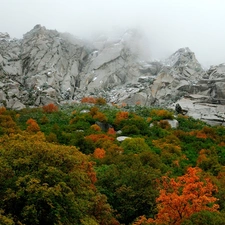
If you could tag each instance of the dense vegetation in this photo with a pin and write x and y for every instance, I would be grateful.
(66, 166)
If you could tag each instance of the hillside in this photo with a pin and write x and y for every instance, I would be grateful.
(94, 163)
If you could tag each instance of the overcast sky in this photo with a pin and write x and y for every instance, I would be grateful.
(167, 24)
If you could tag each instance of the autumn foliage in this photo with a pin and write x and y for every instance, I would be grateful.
(99, 153)
(88, 100)
(73, 166)
(32, 125)
(97, 137)
(161, 113)
(50, 108)
(180, 198)
(95, 127)
(2, 110)
(121, 116)
(100, 101)
(111, 131)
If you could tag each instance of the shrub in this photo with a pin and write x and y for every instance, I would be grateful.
(100, 101)
(159, 114)
(32, 125)
(95, 127)
(88, 100)
(99, 153)
(50, 108)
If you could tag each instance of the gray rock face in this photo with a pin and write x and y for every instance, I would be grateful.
(198, 108)
(47, 66)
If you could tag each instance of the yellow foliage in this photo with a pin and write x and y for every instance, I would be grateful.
(95, 127)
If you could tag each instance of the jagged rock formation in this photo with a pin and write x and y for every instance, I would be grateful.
(48, 66)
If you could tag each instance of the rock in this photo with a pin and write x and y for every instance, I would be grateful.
(173, 123)
(198, 108)
(179, 110)
(4, 35)
(85, 111)
(47, 66)
(104, 126)
(121, 138)
(151, 68)
(18, 106)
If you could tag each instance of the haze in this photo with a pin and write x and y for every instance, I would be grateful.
(167, 25)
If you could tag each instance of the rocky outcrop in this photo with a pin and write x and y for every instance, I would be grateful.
(198, 108)
(47, 66)
(40, 68)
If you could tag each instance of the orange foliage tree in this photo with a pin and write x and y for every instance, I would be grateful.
(94, 112)
(32, 125)
(99, 137)
(180, 198)
(88, 100)
(121, 116)
(99, 153)
(161, 113)
(95, 127)
(50, 108)
(2, 110)
(111, 131)
(100, 101)
(100, 117)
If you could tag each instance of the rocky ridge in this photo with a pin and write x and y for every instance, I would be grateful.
(47, 66)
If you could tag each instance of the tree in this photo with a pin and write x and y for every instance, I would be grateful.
(99, 153)
(45, 183)
(129, 185)
(134, 145)
(159, 114)
(180, 198)
(88, 100)
(50, 108)
(120, 116)
(100, 101)
(32, 125)
(205, 217)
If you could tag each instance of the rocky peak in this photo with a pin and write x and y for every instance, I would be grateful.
(184, 62)
(39, 31)
(4, 35)
(216, 72)
(48, 66)
(181, 57)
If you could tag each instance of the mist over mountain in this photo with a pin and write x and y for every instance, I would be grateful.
(48, 66)
(166, 25)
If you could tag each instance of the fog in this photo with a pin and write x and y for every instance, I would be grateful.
(166, 25)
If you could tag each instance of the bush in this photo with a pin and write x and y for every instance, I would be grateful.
(50, 108)
(88, 100)
(160, 114)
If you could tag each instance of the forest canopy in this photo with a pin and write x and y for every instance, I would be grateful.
(92, 163)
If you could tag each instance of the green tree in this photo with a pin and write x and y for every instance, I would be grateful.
(44, 183)
(130, 187)
(134, 145)
(205, 217)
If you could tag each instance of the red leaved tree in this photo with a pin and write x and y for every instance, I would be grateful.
(50, 108)
(32, 126)
(99, 153)
(181, 197)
